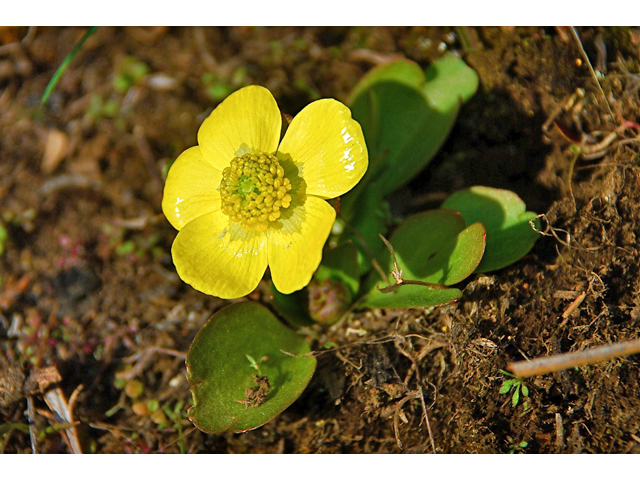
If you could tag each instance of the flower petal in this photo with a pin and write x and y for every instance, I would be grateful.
(327, 148)
(191, 189)
(247, 121)
(296, 241)
(219, 258)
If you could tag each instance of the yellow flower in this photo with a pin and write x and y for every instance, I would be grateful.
(243, 200)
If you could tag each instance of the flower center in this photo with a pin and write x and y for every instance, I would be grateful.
(253, 190)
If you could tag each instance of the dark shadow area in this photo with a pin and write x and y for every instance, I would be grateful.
(493, 143)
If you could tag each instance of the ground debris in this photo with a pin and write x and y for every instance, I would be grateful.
(257, 395)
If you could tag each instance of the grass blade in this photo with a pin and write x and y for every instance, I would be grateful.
(64, 65)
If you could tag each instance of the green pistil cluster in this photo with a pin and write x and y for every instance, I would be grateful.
(253, 190)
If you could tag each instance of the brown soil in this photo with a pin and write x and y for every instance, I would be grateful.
(88, 285)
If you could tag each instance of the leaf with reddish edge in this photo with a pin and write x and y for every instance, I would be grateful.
(410, 296)
(432, 247)
(223, 378)
(509, 233)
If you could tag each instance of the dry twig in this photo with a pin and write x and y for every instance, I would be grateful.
(564, 361)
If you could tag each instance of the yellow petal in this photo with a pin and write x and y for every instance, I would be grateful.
(296, 241)
(218, 257)
(327, 148)
(247, 121)
(191, 189)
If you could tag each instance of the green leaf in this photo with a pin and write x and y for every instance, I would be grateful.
(406, 115)
(369, 218)
(431, 247)
(504, 215)
(64, 65)
(402, 71)
(341, 264)
(506, 386)
(450, 81)
(293, 307)
(525, 390)
(410, 296)
(467, 254)
(222, 378)
(435, 247)
(516, 397)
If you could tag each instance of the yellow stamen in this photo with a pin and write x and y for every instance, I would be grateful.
(254, 190)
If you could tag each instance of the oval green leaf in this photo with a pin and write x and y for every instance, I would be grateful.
(431, 247)
(435, 247)
(226, 393)
(423, 243)
(406, 115)
(468, 251)
(504, 215)
(449, 82)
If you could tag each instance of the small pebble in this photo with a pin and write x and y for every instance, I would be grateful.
(140, 409)
(159, 417)
(134, 389)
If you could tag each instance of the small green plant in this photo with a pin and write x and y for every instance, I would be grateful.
(136, 247)
(176, 416)
(7, 427)
(219, 87)
(516, 448)
(398, 117)
(255, 364)
(131, 72)
(517, 386)
(100, 108)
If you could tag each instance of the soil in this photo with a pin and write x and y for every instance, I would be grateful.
(88, 285)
